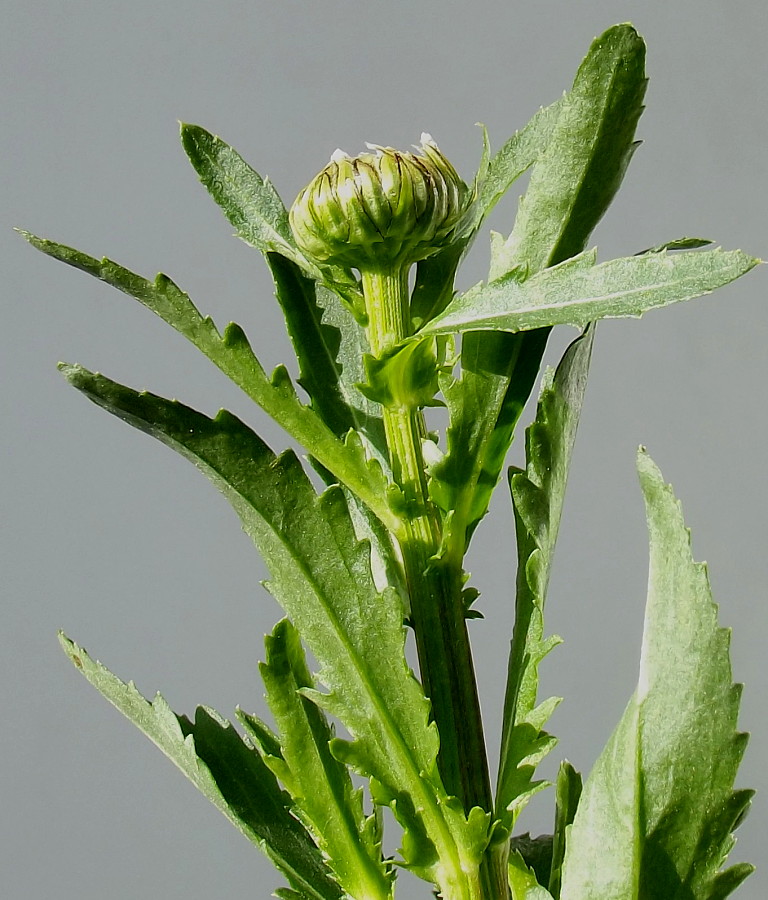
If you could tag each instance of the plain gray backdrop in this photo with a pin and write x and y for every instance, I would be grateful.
(111, 537)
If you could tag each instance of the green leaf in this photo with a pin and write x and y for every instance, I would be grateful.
(498, 372)
(522, 881)
(249, 201)
(222, 767)
(683, 243)
(658, 809)
(253, 206)
(321, 576)
(567, 794)
(517, 155)
(581, 146)
(320, 785)
(576, 291)
(537, 496)
(435, 275)
(232, 353)
(587, 155)
(316, 344)
(261, 735)
(536, 853)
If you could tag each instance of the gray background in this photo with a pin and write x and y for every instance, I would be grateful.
(110, 536)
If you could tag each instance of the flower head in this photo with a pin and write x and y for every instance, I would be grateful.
(381, 208)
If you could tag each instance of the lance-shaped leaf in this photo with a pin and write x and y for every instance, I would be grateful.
(577, 291)
(232, 353)
(254, 207)
(574, 182)
(229, 773)
(321, 576)
(435, 274)
(568, 789)
(516, 156)
(316, 344)
(581, 147)
(320, 785)
(522, 881)
(537, 496)
(657, 811)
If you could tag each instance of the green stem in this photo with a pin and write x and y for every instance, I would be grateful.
(437, 610)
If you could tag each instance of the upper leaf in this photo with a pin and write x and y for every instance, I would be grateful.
(537, 496)
(658, 809)
(321, 575)
(232, 353)
(229, 773)
(581, 146)
(577, 291)
(253, 206)
(517, 155)
(587, 155)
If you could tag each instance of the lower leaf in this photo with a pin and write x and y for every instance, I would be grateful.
(226, 770)
(656, 816)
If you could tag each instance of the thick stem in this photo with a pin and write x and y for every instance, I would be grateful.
(437, 611)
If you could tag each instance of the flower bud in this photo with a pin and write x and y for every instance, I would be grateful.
(381, 208)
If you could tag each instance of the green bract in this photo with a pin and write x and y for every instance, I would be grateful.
(381, 207)
(381, 547)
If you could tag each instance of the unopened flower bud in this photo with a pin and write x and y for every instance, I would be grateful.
(381, 208)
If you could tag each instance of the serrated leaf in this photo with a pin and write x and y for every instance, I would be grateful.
(573, 293)
(498, 372)
(230, 774)
(568, 789)
(657, 811)
(587, 155)
(537, 496)
(535, 852)
(683, 243)
(581, 147)
(321, 575)
(253, 206)
(232, 353)
(522, 881)
(316, 344)
(517, 155)
(435, 275)
(320, 786)
(249, 201)
(260, 734)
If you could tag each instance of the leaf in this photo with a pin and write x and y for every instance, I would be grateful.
(315, 343)
(536, 853)
(522, 881)
(658, 809)
(232, 353)
(320, 785)
(249, 201)
(517, 155)
(221, 766)
(567, 792)
(576, 292)
(321, 576)
(537, 497)
(435, 274)
(589, 150)
(684, 243)
(253, 206)
(484, 405)
(580, 147)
